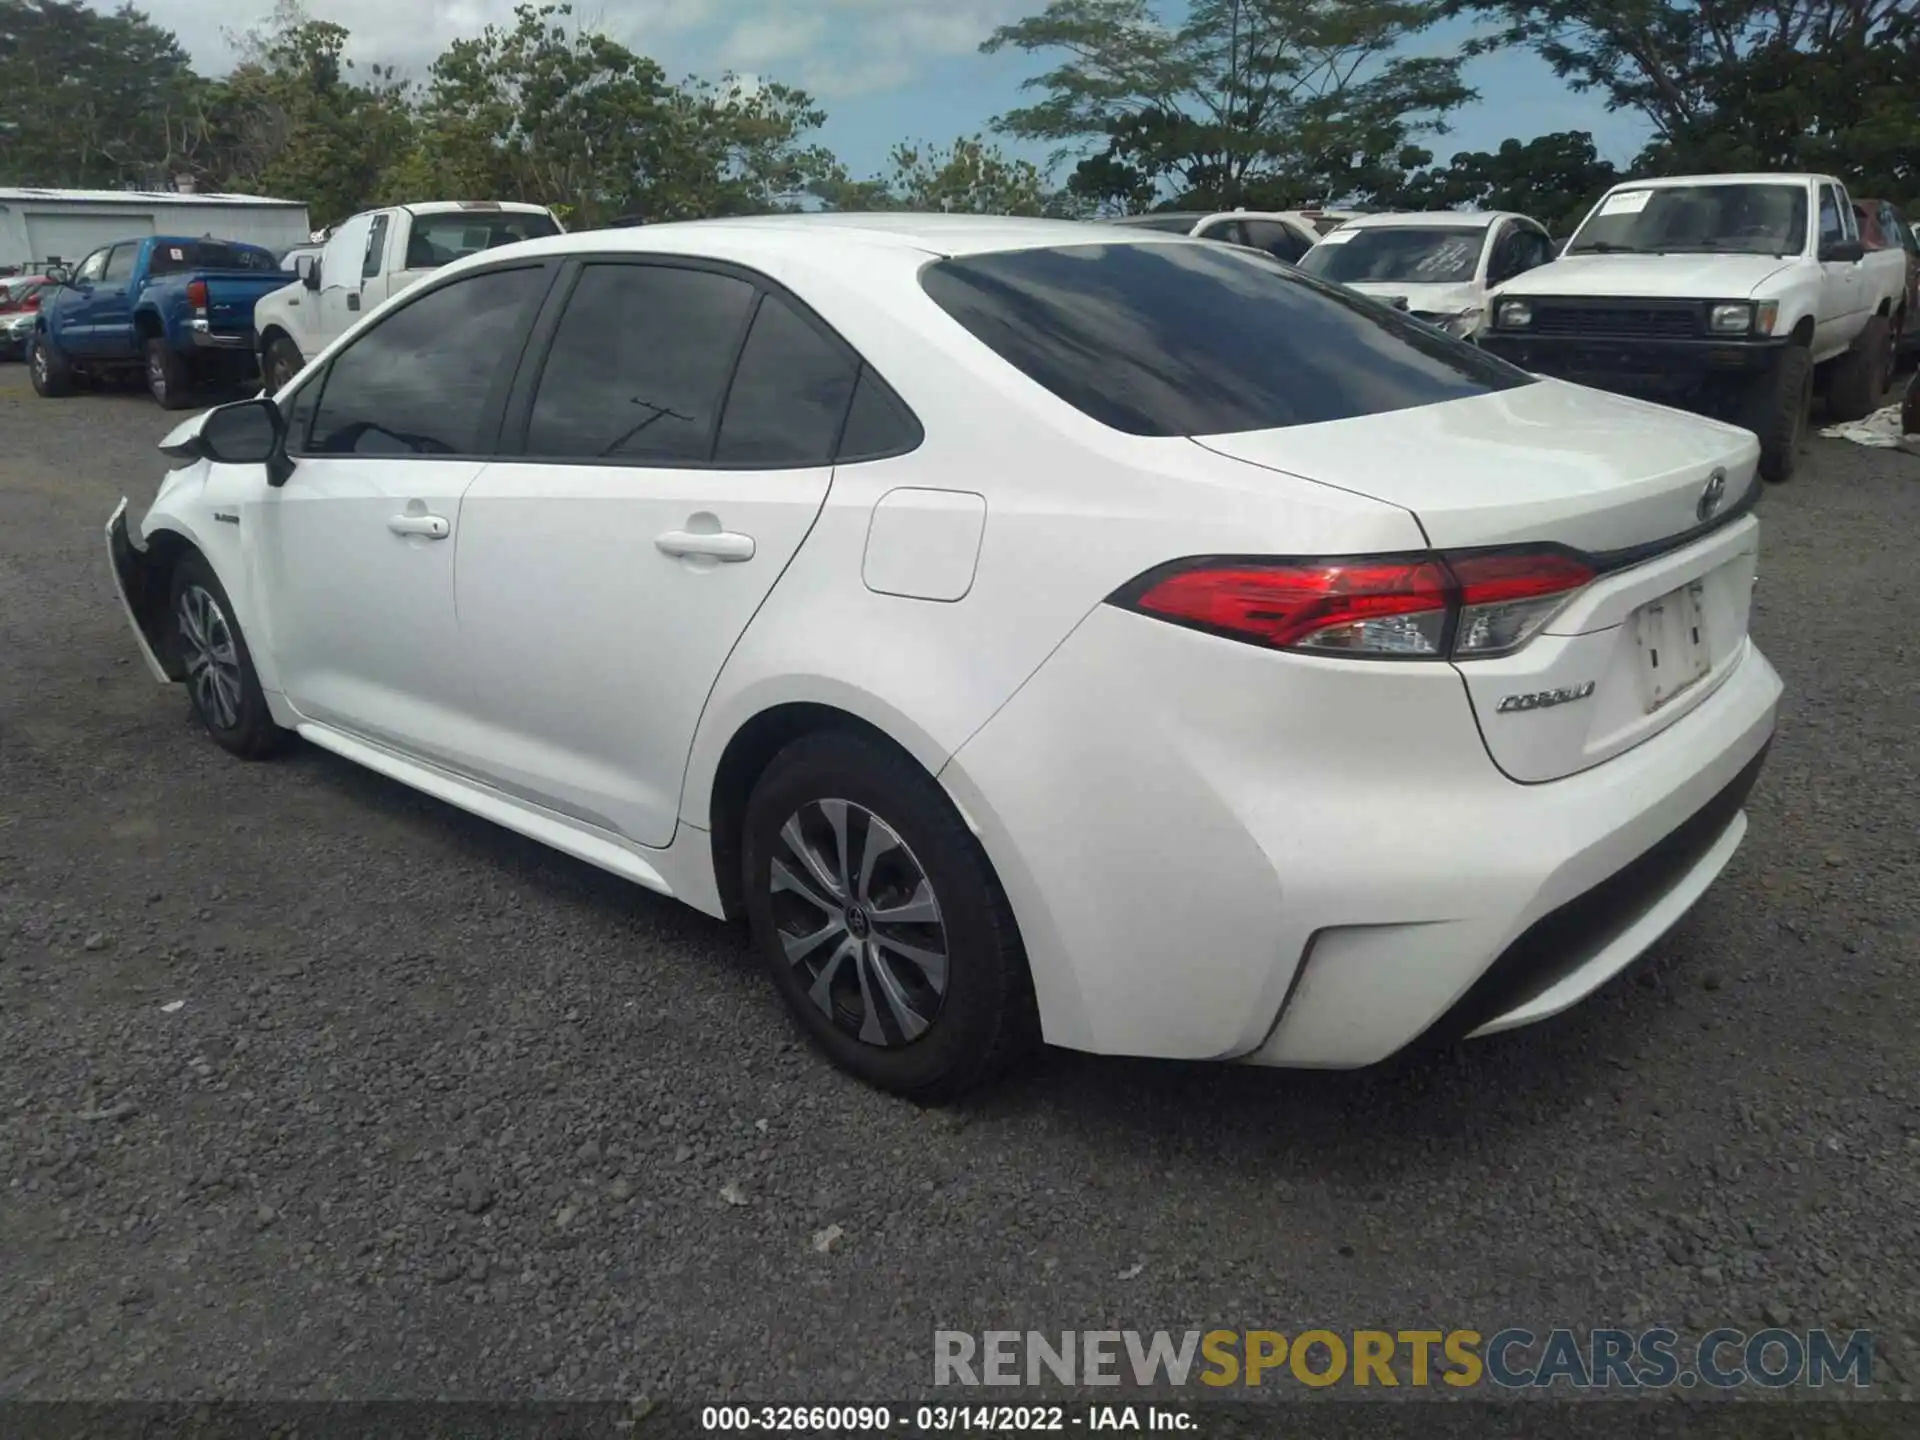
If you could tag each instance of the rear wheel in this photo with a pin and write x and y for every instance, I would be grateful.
(281, 363)
(881, 921)
(221, 682)
(1861, 376)
(1776, 411)
(47, 367)
(168, 379)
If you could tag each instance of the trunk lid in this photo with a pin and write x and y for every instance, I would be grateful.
(1621, 480)
(1543, 462)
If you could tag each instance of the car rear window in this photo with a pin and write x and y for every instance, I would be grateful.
(169, 258)
(1170, 339)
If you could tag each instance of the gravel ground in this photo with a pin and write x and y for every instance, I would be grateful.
(314, 1087)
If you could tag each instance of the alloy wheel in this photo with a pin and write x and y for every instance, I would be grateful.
(859, 922)
(211, 656)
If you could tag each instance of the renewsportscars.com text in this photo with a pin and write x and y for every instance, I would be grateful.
(1512, 1358)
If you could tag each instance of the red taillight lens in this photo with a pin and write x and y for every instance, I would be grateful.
(32, 302)
(1475, 604)
(197, 294)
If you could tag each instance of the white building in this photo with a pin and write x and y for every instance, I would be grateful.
(38, 227)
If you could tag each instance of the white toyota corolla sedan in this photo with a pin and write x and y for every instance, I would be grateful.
(1030, 629)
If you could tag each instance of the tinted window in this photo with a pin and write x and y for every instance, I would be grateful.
(1281, 241)
(789, 395)
(376, 248)
(1230, 231)
(640, 364)
(418, 382)
(1193, 340)
(877, 423)
(436, 240)
(1831, 228)
(120, 264)
(171, 258)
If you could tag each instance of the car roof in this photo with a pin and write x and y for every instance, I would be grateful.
(475, 207)
(1758, 177)
(822, 237)
(1432, 219)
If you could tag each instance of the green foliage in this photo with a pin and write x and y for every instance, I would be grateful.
(1255, 102)
(970, 176)
(1554, 178)
(89, 98)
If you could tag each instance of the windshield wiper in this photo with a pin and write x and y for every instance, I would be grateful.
(1602, 247)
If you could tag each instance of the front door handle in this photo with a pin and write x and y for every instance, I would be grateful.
(433, 527)
(353, 300)
(719, 545)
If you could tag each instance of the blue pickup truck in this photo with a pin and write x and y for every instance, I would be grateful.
(176, 309)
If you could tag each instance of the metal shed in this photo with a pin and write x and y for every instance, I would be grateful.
(40, 226)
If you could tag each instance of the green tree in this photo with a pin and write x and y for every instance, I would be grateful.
(93, 99)
(1256, 102)
(735, 148)
(1739, 84)
(970, 176)
(1553, 178)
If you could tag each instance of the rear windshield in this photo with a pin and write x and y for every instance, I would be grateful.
(169, 257)
(436, 240)
(1437, 255)
(1159, 339)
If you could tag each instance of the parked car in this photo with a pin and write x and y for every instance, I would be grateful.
(1438, 265)
(1286, 235)
(372, 257)
(940, 594)
(1883, 227)
(296, 259)
(1736, 295)
(19, 313)
(178, 310)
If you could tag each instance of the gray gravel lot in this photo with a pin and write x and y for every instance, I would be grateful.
(443, 1113)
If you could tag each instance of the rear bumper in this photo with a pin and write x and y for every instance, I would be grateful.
(1639, 364)
(207, 339)
(138, 584)
(1216, 852)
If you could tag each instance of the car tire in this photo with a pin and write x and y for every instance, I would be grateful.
(1777, 411)
(281, 362)
(168, 379)
(47, 368)
(1861, 376)
(930, 1028)
(222, 686)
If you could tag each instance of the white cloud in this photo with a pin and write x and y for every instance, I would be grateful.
(834, 48)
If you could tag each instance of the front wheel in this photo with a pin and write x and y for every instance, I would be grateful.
(1776, 410)
(881, 921)
(222, 684)
(47, 367)
(168, 379)
(281, 363)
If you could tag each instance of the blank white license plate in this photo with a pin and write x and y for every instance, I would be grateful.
(1674, 652)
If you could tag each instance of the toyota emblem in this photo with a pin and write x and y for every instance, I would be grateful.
(1710, 498)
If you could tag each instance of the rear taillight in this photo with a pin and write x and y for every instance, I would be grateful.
(1465, 605)
(197, 294)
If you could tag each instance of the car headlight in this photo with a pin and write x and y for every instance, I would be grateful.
(1515, 315)
(1734, 319)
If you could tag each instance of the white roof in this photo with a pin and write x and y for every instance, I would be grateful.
(1431, 219)
(26, 194)
(1668, 182)
(478, 207)
(934, 234)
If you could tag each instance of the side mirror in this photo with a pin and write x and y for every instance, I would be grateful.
(59, 274)
(1843, 252)
(247, 432)
(307, 267)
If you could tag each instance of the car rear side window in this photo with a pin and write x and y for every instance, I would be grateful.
(420, 381)
(789, 394)
(639, 365)
(1155, 339)
(878, 424)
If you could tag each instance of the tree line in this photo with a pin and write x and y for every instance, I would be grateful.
(1268, 104)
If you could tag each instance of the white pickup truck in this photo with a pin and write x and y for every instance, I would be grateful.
(1735, 295)
(372, 257)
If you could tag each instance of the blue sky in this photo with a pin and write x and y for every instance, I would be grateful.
(884, 70)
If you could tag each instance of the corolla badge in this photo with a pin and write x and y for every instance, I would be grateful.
(1545, 699)
(1711, 496)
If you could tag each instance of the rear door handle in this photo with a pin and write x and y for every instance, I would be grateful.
(721, 545)
(433, 527)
